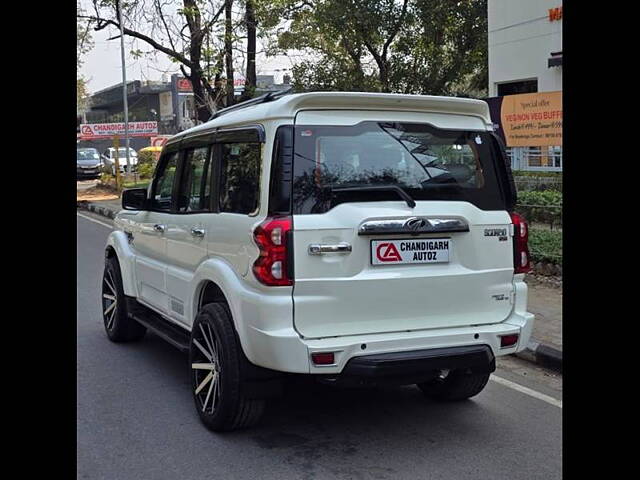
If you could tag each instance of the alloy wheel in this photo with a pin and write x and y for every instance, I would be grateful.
(206, 368)
(109, 299)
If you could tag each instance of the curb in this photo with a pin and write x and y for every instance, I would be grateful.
(543, 355)
(536, 352)
(99, 209)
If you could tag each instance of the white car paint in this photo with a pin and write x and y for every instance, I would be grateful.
(109, 159)
(334, 307)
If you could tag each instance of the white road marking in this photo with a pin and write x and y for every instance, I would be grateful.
(95, 221)
(527, 391)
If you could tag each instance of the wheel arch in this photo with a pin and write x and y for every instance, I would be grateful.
(215, 280)
(208, 291)
(118, 247)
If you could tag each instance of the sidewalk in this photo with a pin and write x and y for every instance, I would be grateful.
(545, 302)
(545, 347)
(106, 208)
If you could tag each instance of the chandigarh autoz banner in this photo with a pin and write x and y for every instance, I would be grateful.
(96, 131)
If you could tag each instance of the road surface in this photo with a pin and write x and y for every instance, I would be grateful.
(136, 418)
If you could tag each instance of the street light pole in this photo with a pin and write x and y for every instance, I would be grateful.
(124, 88)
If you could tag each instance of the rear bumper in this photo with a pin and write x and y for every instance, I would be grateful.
(282, 349)
(479, 358)
(415, 366)
(87, 174)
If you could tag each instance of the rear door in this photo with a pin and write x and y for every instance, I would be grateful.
(367, 261)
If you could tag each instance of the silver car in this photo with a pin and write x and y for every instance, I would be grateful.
(88, 164)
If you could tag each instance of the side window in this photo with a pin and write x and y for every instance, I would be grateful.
(240, 177)
(163, 182)
(195, 186)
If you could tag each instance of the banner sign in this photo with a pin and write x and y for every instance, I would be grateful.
(97, 131)
(160, 140)
(528, 119)
(184, 85)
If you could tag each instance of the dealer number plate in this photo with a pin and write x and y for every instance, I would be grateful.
(425, 250)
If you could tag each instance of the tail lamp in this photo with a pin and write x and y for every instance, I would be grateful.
(271, 267)
(521, 258)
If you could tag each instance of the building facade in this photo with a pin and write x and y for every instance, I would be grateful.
(170, 103)
(525, 57)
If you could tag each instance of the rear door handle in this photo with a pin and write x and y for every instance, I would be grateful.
(197, 232)
(321, 249)
(158, 227)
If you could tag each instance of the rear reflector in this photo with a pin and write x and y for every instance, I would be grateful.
(508, 340)
(323, 358)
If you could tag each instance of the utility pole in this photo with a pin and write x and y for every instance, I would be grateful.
(124, 88)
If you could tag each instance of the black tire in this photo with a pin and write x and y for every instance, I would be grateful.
(222, 406)
(117, 323)
(456, 386)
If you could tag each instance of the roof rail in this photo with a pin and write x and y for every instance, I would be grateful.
(267, 97)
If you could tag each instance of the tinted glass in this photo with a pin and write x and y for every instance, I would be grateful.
(240, 177)
(163, 183)
(195, 188)
(428, 163)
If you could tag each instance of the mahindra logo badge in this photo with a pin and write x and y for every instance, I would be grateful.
(416, 223)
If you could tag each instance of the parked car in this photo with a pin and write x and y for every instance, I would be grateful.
(357, 238)
(88, 163)
(109, 159)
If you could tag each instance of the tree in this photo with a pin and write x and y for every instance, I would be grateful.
(250, 24)
(84, 43)
(188, 35)
(444, 49)
(228, 48)
(411, 46)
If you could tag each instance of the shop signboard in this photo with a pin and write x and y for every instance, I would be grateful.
(528, 119)
(99, 131)
(160, 140)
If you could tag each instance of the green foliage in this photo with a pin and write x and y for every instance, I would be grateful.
(541, 207)
(527, 173)
(538, 184)
(146, 170)
(418, 46)
(134, 184)
(549, 197)
(321, 76)
(443, 50)
(146, 164)
(107, 180)
(545, 245)
(146, 157)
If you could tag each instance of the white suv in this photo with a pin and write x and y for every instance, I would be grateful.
(361, 238)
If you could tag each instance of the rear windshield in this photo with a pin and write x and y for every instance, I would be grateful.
(336, 164)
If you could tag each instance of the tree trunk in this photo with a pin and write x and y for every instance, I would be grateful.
(228, 50)
(250, 21)
(195, 55)
(199, 94)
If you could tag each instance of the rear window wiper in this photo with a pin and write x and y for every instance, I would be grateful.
(380, 188)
